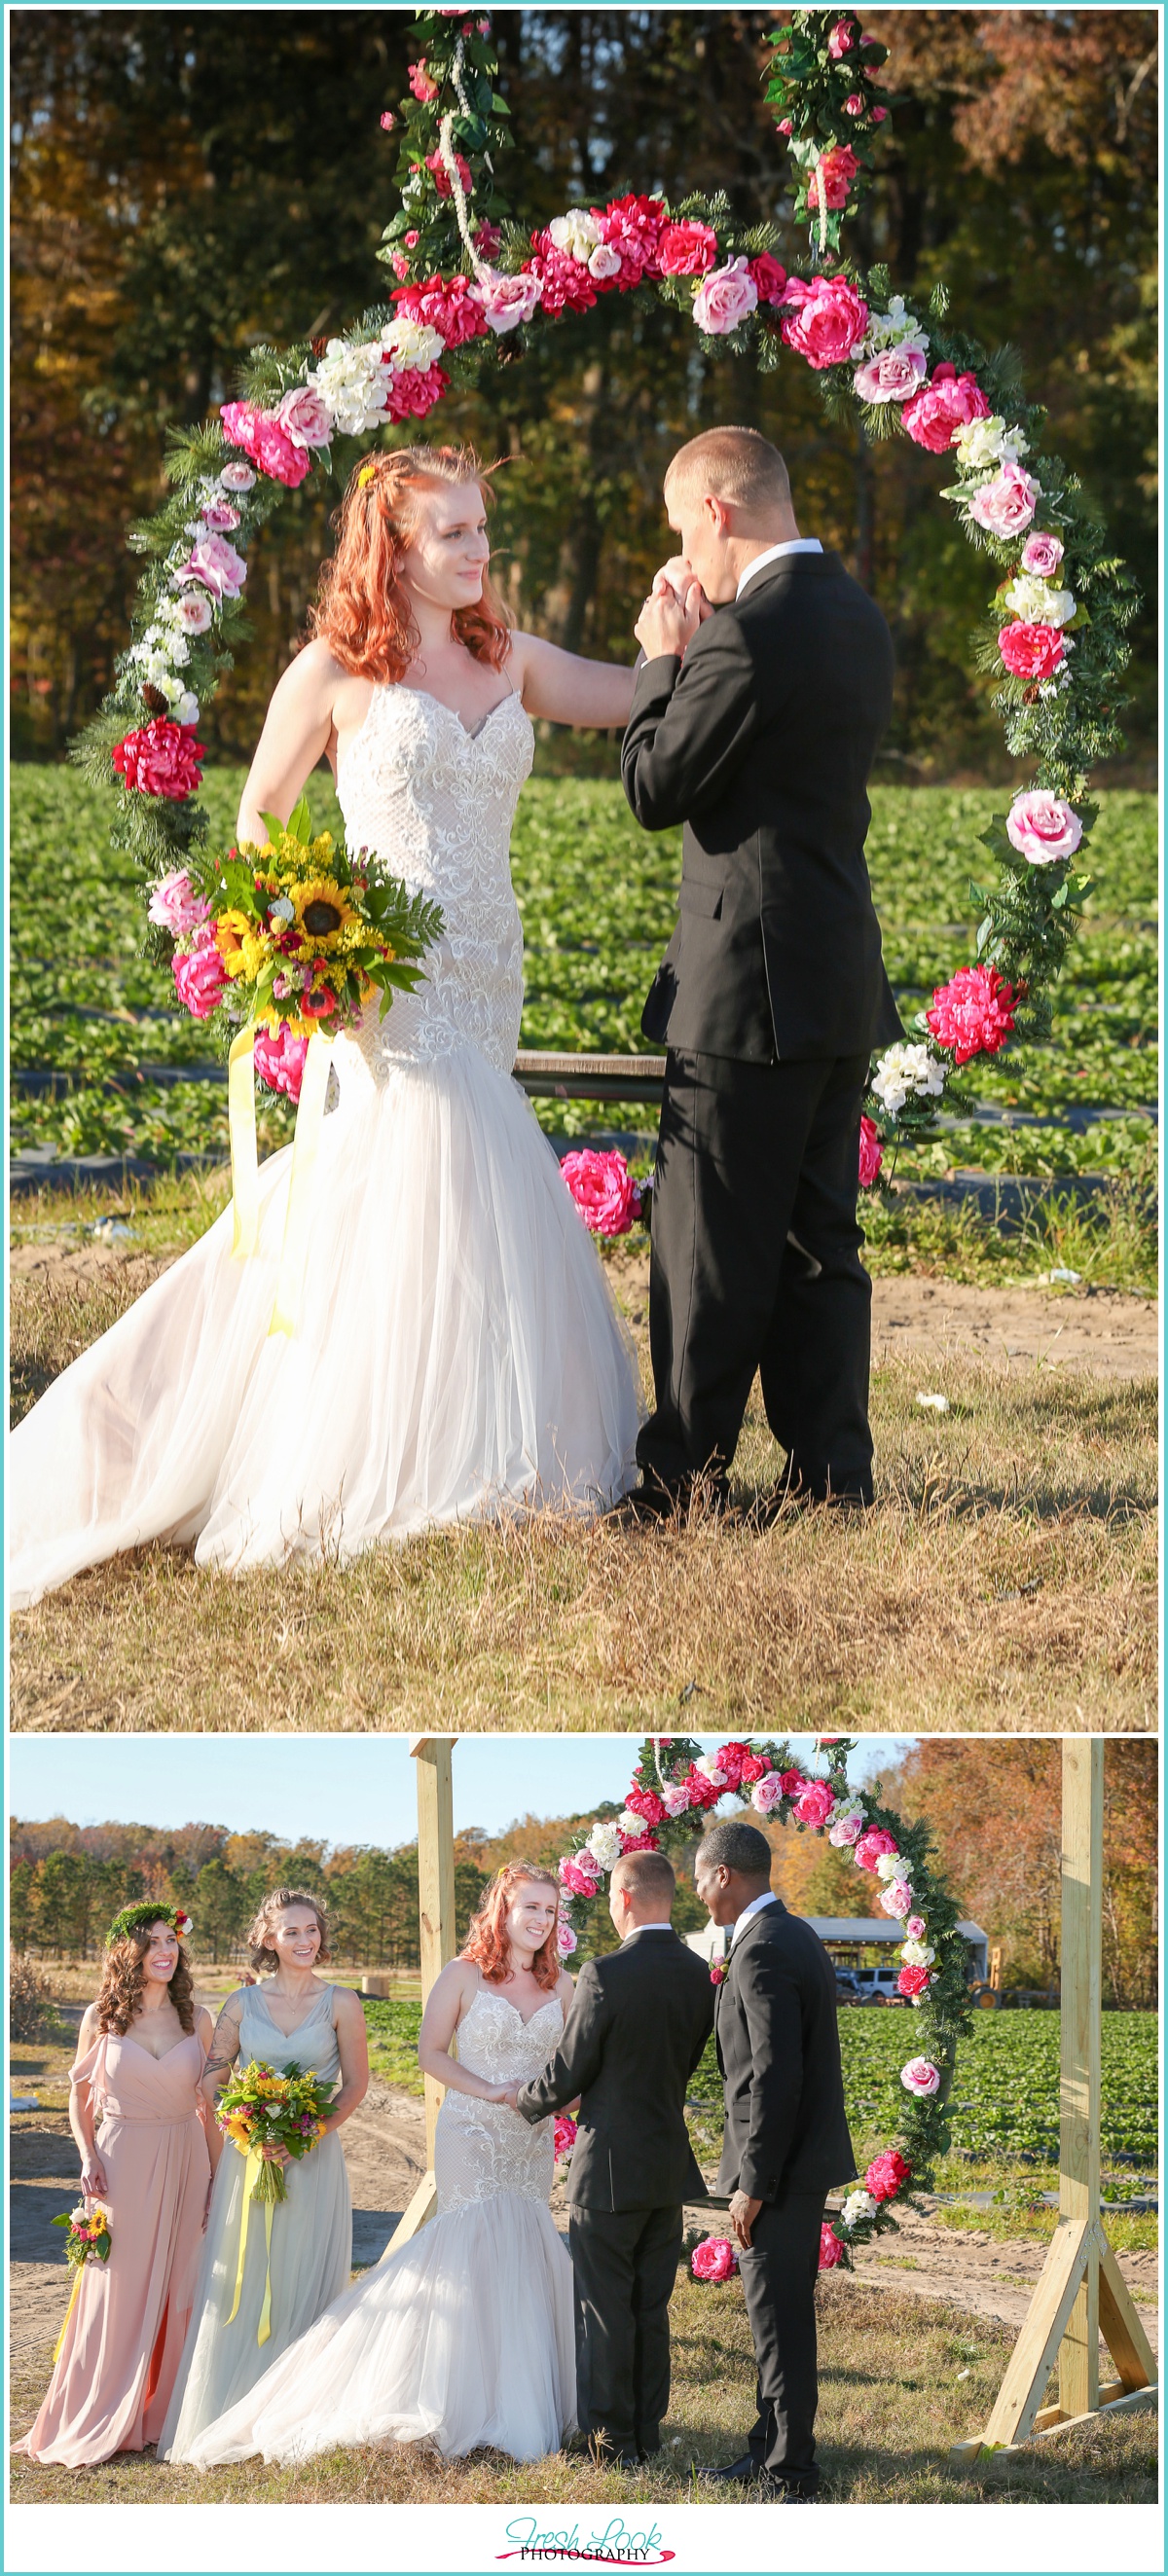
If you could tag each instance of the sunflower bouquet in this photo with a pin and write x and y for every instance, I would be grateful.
(263, 2107)
(90, 2234)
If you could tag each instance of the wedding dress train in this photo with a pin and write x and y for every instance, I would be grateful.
(458, 1351)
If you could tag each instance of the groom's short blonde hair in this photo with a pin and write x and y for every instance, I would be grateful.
(646, 1873)
(734, 465)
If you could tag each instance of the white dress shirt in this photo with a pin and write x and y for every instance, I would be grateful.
(634, 1928)
(790, 546)
(755, 1908)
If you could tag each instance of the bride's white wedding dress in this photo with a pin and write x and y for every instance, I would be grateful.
(464, 2338)
(458, 1352)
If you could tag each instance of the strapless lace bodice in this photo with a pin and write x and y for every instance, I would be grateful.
(483, 2148)
(436, 804)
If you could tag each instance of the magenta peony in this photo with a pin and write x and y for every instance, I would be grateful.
(921, 2077)
(1043, 827)
(578, 1880)
(1031, 652)
(841, 39)
(770, 279)
(636, 1842)
(200, 981)
(260, 435)
(686, 249)
(831, 2251)
(729, 1759)
(160, 759)
(833, 175)
(972, 1013)
(891, 377)
(279, 1061)
(1006, 503)
(912, 1981)
(887, 2174)
(631, 228)
(177, 905)
(725, 298)
(714, 2259)
(603, 1189)
(563, 281)
(646, 1803)
(564, 2133)
(830, 318)
(872, 1846)
(871, 1154)
(1042, 554)
(942, 406)
(413, 391)
(815, 1805)
(443, 305)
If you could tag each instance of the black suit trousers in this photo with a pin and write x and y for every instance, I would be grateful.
(625, 2265)
(750, 1155)
(779, 2270)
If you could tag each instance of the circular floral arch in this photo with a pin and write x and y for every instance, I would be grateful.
(673, 1790)
(472, 286)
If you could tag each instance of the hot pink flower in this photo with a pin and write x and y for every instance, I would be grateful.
(718, 1973)
(753, 1768)
(304, 418)
(445, 306)
(848, 1830)
(871, 1154)
(766, 1794)
(972, 1013)
(200, 981)
(831, 2251)
(486, 238)
(578, 1881)
(915, 1928)
(1005, 504)
(855, 105)
(1042, 554)
(770, 279)
(891, 377)
(646, 1803)
(872, 1846)
(887, 2174)
(921, 2077)
(686, 249)
(841, 39)
(714, 2259)
(1043, 827)
(563, 2135)
(1031, 652)
(441, 177)
(562, 279)
(507, 301)
(603, 1189)
(161, 758)
(912, 1981)
(833, 174)
(260, 435)
(943, 405)
(702, 1790)
(565, 1939)
(725, 297)
(815, 1805)
(830, 318)
(632, 227)
(215, 566)
(279, 1061)
(177, 905)
(388, 120)
(785, 125)
(730, 1758)
(423, 87)
(413, 391)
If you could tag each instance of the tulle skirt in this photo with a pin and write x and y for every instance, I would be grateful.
(458, 1356)
(464, 2339)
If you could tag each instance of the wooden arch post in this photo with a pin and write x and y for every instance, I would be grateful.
(432, 1753)
(1080, 2293)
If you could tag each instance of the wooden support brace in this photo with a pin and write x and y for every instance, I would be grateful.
(1024, 2386)
(1121, 2329)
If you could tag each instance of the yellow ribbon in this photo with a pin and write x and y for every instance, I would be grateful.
(241, 1128)
(252, 2171)
(305, 1151)
(74, 2296)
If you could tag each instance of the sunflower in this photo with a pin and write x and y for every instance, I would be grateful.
(323, 912)
(241, 945)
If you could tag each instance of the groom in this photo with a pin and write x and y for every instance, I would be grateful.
(772, 991)
(785, 2143)
(634, 2035)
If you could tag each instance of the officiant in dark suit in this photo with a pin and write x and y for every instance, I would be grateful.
(755, 722)
(785, 2142)
(634, 2035)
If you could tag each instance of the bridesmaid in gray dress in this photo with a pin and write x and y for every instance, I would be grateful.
(291, 2017)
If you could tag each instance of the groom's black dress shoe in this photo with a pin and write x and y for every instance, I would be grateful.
(652, 1501)
(770, 2486)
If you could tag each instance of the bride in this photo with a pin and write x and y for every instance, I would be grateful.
(464, 2338)
(459, 1354)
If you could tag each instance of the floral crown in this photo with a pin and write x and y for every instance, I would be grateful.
(137, 1918)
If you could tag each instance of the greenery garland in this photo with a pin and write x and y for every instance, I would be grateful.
(142, 1918)
(471, 286)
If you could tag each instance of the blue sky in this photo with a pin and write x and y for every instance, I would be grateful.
(348, 1788)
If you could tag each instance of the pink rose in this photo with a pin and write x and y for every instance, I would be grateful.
(1031, 652)
(972, 1013)
(831, 2251)
(411, 240)
(424, 89)
(1005, 504)
(848, 1830)
(565, 1939)
(767, 1794)
(507, 301)
(603, 1189)
(915, 1927)
(896, 1898)
(177, 905)
(259, 433)
(1042, 554)
(855, 105)
(785, 125)
(921, 2077)
(686, 250)
(563, 2134)
(791, 1782)
(887, 2174)
(215, 566)
(200, 981)
(872, 1846)
(753, 1768)
(878, 115)
(646, 1803)
(770, 279)
(891, 377)
(1043, 827)
(161, 758)
(219, 516)
(871, 1154)
(304, 418)
(577, 1880)
(942, 406)
(714, 2259)
(194, 612)
(388, 120)
(725, 297)
(833, 174)
(279, 1061)
(841, 39)
(912, 1981)
(441, 177)
(236, 477)
(828, 321)
(677, 1799)
(815, 1805)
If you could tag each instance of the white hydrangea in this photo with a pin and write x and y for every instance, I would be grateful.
(629, 1823)
(983, 444)
(890, 1865)
(859, 2204)
(907, 1073)
(185, 708)
(1033, 598)
(413, 344)
(604, 1843)
(353, 380)
(917, 1954)
(896, 329)
(575, 233)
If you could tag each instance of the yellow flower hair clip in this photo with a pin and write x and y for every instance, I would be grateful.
(365, 475)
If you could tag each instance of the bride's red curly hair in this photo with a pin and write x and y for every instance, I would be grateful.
(486, 1941)
(363, 613)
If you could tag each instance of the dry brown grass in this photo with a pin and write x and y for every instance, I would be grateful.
(1007, 1579)
(884, 2430)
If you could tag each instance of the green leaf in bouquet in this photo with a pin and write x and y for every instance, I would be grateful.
(238, 883)
(299, 825)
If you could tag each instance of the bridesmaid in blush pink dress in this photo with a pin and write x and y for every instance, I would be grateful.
(137, 2114)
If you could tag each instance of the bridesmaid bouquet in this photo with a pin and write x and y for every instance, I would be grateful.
(262, 2108)
(90, 2235)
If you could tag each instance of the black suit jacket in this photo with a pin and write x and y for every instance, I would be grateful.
(634, 2035)
(761, 742)
(779, 2055)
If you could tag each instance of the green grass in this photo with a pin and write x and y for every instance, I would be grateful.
(597, 897)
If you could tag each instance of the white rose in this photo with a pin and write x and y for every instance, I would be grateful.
(982, 444)
(890, 1865)
(575, 233)
(707, 1764)
(859, 2204)
(1033, 598)
(186, 709)
(629, 1823)
(907, 1072)
(917, 1954)
(413, 344)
